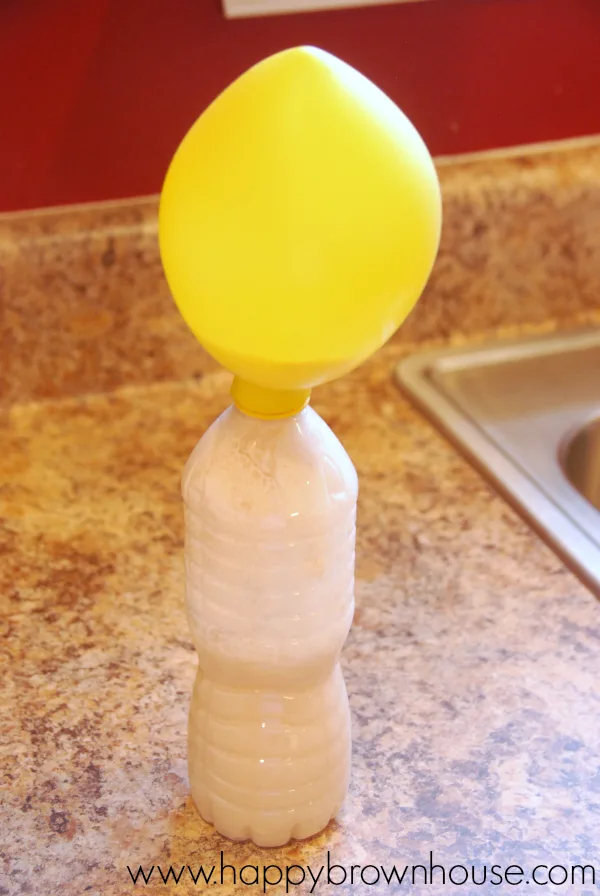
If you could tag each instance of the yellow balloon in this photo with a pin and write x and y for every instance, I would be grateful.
(298, 224)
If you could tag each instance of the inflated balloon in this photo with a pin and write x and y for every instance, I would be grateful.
(299, 221)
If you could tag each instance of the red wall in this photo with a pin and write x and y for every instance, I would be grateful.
(96, 94)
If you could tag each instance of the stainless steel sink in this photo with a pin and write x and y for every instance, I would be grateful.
(527, 414)
(580, 459)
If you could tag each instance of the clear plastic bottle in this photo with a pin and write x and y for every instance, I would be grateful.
(270, 535)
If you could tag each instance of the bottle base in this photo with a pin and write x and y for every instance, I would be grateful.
(267, 832)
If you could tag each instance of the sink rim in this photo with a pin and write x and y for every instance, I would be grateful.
(569, 540)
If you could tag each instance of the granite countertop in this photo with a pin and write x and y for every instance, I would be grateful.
(471, 665)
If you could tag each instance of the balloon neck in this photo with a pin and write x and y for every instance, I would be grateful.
(268, 404)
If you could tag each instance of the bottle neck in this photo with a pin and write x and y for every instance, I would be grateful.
(268, 404)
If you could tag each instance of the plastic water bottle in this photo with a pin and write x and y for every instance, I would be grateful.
(298, 224)
(270, 523)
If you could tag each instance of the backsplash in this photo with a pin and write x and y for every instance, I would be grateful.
(85, 307)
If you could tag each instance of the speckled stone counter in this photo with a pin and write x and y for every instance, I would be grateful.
(472, 665)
